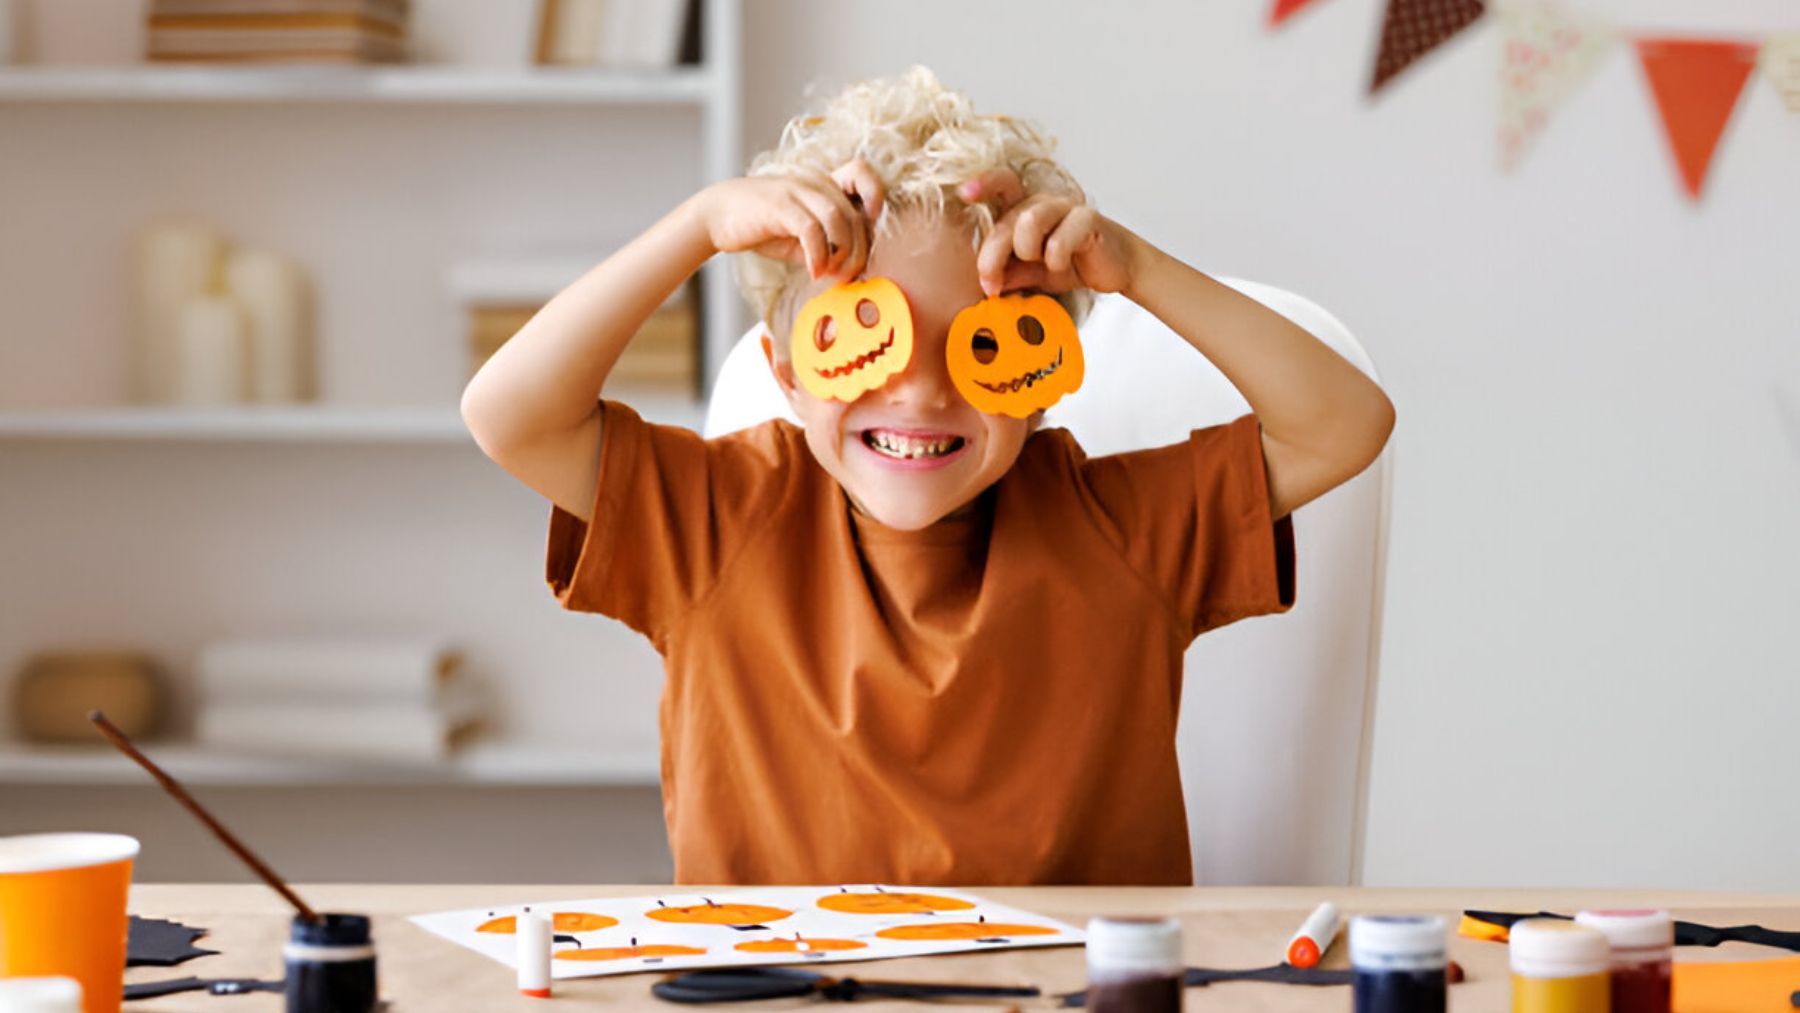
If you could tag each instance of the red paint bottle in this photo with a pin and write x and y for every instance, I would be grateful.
(1643, 952)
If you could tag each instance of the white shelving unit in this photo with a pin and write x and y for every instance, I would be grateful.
(258, 448)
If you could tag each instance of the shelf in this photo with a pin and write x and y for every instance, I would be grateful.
(495, 764)
(297, 424)
(391, 84)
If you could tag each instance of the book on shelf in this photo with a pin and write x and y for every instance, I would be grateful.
(646, 34)
(277, 30)
(373, 699)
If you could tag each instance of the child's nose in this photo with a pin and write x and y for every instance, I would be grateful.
(925, 382)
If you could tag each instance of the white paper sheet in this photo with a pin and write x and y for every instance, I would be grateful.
(763, 925)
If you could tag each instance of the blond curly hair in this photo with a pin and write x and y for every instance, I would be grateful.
(923, 141)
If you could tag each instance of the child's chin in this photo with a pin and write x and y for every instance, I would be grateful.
(902, 515)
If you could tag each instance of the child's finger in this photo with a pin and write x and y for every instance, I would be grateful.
(1078, 229)
(833, 213)
(799, 222)
(857, 179)
(996, 250)
(1033, 221)
(999, 187)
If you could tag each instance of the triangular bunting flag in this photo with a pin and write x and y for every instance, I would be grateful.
(1545, 55)
(1696, 83)
(1781, 63)
(1282, 9)
(1412, 28)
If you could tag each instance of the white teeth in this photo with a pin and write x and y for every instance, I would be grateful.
(909, 448)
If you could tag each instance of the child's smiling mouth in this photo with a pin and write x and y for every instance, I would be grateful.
(913, 446)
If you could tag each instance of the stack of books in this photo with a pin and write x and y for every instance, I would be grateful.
(641, 34)
(498, 297)
(277, 31)
(386, 700)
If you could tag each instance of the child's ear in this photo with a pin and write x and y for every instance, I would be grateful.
(783, 369)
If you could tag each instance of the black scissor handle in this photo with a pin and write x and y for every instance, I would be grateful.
(736, 985)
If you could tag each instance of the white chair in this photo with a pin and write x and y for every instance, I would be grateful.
(1276, 711)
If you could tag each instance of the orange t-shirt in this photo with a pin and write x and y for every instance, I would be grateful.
(990, 700)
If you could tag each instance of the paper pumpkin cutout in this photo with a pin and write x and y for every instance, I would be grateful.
(649, 951)
(807, 947)
(884, 903)
(1014, 354)
(981, 929)
(561, 921)
(738, 916)
(852, 338)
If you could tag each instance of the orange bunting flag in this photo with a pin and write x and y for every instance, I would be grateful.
(1696, 83)
(1546, 53)
(1283, 9)
(1781, 64)
(1412, 28)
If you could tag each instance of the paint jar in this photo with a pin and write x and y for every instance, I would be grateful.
(1643, 957)
(1559, 967)
(331, 965)
(40, 995)
(1134, 965)
(1399, 962)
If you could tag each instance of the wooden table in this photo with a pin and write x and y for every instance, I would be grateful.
(1222, 927)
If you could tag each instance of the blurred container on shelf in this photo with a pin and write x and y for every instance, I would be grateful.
(277, 31)
(55, 690)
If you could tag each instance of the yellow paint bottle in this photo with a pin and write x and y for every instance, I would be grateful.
(1559, 967)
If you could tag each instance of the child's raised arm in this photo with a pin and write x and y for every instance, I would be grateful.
(1323, 421)
(534, 406)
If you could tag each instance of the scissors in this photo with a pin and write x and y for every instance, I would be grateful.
(751, 983)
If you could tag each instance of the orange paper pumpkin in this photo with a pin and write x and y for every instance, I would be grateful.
(881, 903)
(1014, 354)
(736, 915)
(561, 921)
(851, 338)
(794, 945)
(651, 951)
(941, 931)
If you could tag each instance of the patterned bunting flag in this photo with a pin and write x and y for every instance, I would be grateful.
(1781, 63)
(1282, 9)
(1546, 53)
(1412, 28)
(1696, 83)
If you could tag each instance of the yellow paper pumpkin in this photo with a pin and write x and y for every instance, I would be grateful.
(1014, 354)
(850, 338)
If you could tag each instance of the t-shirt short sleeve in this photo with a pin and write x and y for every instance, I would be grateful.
(670, 509)
(1193, 519)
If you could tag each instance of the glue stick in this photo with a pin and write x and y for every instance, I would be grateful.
(1400, 963)
(1643, 954)
(1559, 967)
(533, 930)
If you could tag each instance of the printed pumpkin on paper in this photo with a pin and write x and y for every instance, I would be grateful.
(852, 338)
(1014, 354)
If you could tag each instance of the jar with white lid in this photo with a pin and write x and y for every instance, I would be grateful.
(1559, 967)
(1134, 965)
(1400, 963)
(1643, 957)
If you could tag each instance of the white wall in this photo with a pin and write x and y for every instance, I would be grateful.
(1590, 673)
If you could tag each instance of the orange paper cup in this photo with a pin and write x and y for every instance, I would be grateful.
(62, 911)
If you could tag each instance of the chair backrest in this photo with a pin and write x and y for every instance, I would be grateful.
(1275, 722)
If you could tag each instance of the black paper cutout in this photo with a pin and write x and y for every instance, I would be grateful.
(1275, 974)
(211, 986)
(154, 942)
(1686, 933)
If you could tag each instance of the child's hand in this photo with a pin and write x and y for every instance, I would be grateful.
(1047, 242)
(820, 221)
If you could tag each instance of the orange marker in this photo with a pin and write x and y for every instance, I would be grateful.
(1315, 936)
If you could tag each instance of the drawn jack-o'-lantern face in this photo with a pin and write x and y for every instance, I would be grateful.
(651, 952)
(738, 916)
(561, 921)
(851, 338)
(963, 931)
(1014, 354)
(882, 903)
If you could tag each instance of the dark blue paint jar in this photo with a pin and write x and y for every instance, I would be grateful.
(331, 965)
(1400, 963)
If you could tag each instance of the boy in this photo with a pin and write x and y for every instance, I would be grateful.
(909, 641)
